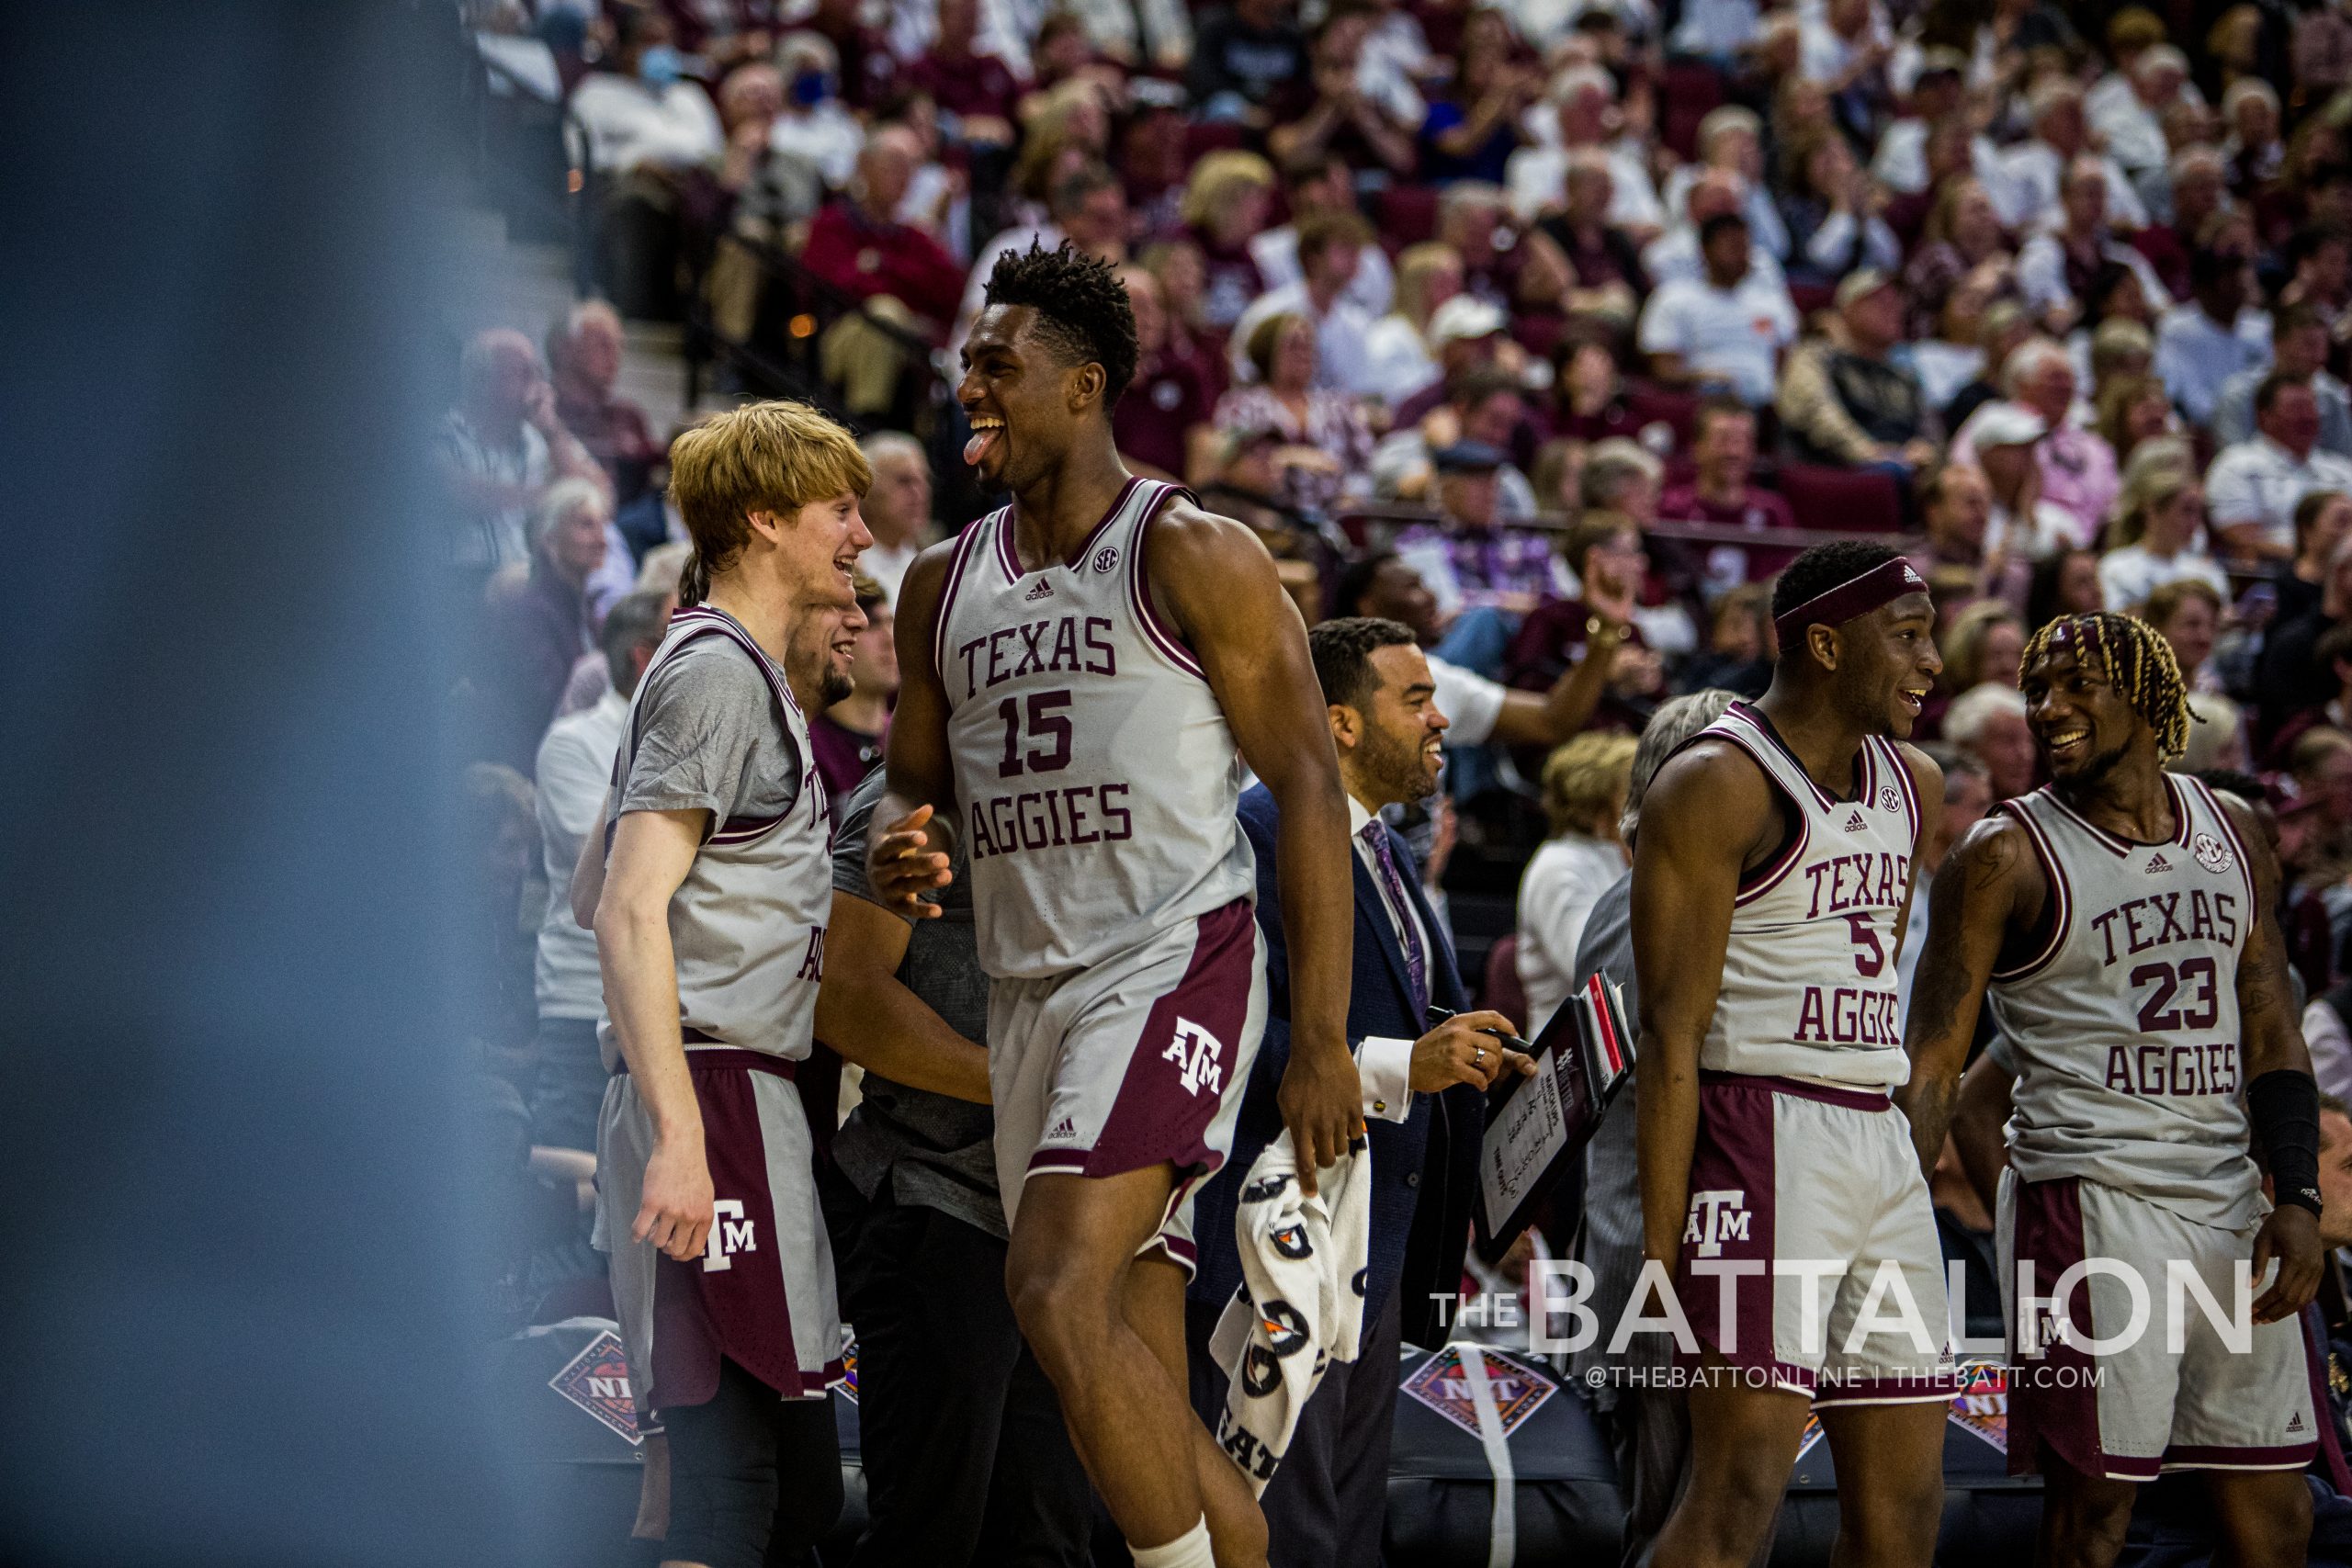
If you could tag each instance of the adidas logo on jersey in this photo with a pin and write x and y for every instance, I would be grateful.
(1855, 823)
(1043, 590)
(2295, 1422)
(2157, 865)
(1065, 1128)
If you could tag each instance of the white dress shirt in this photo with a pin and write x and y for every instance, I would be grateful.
(2261, 482)
(1384, 1066)
(1564, 880)
(1342, 360)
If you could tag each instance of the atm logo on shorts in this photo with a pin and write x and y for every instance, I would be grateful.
(730, 1233)
(1195, 1051)
(1715, 1218)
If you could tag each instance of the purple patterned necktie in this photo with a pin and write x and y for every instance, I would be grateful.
(1417, 969)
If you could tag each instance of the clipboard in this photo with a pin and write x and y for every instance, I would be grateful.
(1537, 1124)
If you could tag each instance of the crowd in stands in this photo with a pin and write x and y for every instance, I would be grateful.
(1549, 328)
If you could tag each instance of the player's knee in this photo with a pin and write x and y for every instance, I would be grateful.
(1732, 1504)
(1898, 1519)
(1060, 1311)
(2274, 1534)
(2089, 1523)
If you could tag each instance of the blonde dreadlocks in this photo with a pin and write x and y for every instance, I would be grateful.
(2138, 662)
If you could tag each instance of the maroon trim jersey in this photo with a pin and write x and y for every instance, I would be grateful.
(2124, 1018)
(1095, 776)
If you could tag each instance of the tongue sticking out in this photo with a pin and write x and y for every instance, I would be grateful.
(977, 444)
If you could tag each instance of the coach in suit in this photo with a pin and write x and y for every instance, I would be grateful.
(1424, 1104)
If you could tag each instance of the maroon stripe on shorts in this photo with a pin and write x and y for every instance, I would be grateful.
(2052, 1401)
(1157, 1117)
(700, 1056)
(1851, 1098)
(2202, 1456)
(740, 1310)
(1734, 1158)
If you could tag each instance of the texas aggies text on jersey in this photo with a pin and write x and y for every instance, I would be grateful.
(1095, 775)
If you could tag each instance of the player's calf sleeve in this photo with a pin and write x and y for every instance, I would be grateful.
(1190, 1549)
(2284, 1108)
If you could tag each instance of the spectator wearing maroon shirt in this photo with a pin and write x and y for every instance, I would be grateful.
(1723, 450)
(978, 89)
(583, 365)
(1224, 206)
(1165, 407)
(869, 70)
(904, 277)
(847, 737)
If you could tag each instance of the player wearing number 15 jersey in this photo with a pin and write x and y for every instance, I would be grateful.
(1084, 672)
(2123, 918)
(1770, 877)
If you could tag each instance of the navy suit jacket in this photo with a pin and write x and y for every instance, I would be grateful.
(1425, 1168)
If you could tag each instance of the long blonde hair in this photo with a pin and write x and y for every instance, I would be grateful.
(1217, 178)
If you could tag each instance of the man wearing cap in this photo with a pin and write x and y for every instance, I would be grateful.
(1464, 558)
(1846, 401)
(2000, 439)
(1727, 331)
(2253, 488)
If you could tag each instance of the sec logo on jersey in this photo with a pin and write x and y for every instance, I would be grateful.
(2213, 854)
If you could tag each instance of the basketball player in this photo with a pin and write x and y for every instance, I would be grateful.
(709, 911)
(1083, 672)
(1769, 882)
(2125, 919)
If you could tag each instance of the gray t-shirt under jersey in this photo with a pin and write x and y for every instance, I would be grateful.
(937, 1151)
(707, 738)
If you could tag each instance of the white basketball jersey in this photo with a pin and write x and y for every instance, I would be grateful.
(1094, 771)
(1809, 977)
(747, 926)
(2125, 1019)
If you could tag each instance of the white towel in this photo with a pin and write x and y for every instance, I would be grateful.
(1300, 1302)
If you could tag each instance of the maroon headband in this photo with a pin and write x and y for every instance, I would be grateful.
(1882, 584)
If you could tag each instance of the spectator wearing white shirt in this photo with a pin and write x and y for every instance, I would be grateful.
(2132, 121)
(574, 772)
(896, 508)
(2057, 263)
(501, 448)
(813, 125)
(2026, 189)
(1330, 244)
(1584, 783)
(1901, 161)
(2000, 439)
(2253, 488)
(2200, 345)
(1583, 98)
(1674, 255)
(2159, 523)
(1323, 183)
(1716, 30)
(643, 113)
(1729, 329)
(2299, 344)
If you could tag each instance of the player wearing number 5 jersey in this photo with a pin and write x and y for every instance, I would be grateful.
(1084, 672)
(1769, 882)
(2123, 918)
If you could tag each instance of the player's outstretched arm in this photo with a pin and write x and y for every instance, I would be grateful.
(652, 852)
(1706, 813)
(914, 821)
(1218, 583)
(2281, 1095)
(1990, 883)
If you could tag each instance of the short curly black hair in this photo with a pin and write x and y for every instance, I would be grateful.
(1082, 308)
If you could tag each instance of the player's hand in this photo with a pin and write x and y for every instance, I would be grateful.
(676, 1211)
(1458, 1051)
(903, 865)
(2291, 1236)
(1322, 1104)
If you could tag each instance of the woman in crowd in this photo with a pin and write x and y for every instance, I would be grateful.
(1327, 458)
(2187, 613)
(1831, 208)
(2066, 583)
(1473, 127)
(1399, 356)
(1987, 643)
(2158, 535)
(1224, 207)
(1182, 278)
(1584, 795)
(1952, 355)
(2322, 520)
(2133, 409)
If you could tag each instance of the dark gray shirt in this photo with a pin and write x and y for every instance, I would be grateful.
(935, 1150)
